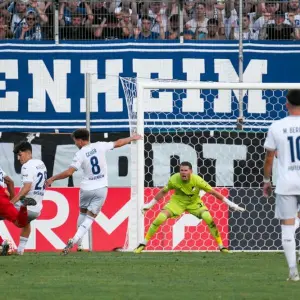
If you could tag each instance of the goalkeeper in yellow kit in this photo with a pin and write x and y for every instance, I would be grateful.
(186, 198)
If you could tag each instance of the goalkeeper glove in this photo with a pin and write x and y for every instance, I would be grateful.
(149, 205)
(233, 205)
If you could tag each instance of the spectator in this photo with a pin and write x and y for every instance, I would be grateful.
(199, 22)
(5, 33)
(277, 31)
(158, 16)
(125, 22)
(110, 29)
(188, 10)
(212, 30)
(30, 30)
(173, 28)
(76, 30)
(67, 9)
(145, 33)
(248, 33)
(268, 15)
(99, 11)
(232, 9)
(18, 17)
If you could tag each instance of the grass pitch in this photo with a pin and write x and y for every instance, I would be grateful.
(116, 275)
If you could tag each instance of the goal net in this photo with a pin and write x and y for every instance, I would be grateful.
(220, 129)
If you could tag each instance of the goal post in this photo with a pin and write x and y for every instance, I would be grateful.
(228, 158)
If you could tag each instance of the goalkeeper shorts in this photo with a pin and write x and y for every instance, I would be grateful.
(177, 208)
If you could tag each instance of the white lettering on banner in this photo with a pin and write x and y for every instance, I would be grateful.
(45, 226)
(10, 68)
(225, 155)
(179, 227)
(110, 225)
(162, 154)
(144, 68)
(55, 87)
(109, 86)
(193, 69)
(253, 73)
(6, 234)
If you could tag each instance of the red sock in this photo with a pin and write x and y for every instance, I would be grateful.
(22, 216)
(1, 240)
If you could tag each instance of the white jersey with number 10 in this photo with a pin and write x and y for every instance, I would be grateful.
(284, 136)
(91, 158)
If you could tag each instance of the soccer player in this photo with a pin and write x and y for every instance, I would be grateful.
(283, 138)
(93, 187)
(7, 209)
(186, 198)
(34, 175)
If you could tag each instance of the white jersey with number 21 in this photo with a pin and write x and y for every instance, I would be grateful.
(284, 136)
(91, 158)
(34, 171)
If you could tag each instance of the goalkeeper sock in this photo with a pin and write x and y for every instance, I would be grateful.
(207, 218)
(160, 219)
(22, 244)
(83, 228)
(80, 220)
(289, 245)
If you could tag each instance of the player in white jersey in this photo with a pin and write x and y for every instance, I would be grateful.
(284, 139)
(34, 175)
(93, 187)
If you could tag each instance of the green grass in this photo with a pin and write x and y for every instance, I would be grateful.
(121, 276)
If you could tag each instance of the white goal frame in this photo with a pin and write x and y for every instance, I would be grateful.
(136, 218)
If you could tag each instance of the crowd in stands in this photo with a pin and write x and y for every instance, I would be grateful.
(141, 20)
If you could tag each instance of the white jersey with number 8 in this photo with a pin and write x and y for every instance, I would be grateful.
(91, 158)
(284, 136)
(34, 171)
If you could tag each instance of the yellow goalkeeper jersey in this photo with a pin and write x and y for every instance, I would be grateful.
(186, 192)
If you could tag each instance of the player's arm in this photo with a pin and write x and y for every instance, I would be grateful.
(65, 174)
(122, 142)
(157, 197)
(270, 146)
(203, 185)
(162, 193)
(10, 186)
(220, 197)
(22, 193)
(268, 165)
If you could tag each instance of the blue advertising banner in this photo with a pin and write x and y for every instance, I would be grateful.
(42, 86)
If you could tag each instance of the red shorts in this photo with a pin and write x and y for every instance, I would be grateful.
(7, 209)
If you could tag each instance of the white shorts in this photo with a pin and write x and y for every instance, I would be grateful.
(93, 200)
(287, 206)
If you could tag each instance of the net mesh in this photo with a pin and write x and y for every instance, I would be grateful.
(204, 132)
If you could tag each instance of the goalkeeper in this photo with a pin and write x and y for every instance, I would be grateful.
(186, 198)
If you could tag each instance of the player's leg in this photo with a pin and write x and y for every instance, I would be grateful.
(202, 212)
(25, 231)
(81, 217)
(96, 201)
(286, 212)
(171, 209)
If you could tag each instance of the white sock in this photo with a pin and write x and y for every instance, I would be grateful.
(22, 244)
(289, 245)
(297, 223)
(83, 228)
(80, 220)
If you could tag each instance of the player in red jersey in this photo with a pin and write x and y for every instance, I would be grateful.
(8, 210)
